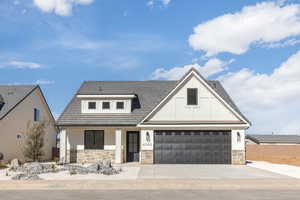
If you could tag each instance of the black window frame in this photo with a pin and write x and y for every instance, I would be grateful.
(103, 107)
(194, 100)
(36, 115)
(94, 144)
(117, 105)
(94, 107)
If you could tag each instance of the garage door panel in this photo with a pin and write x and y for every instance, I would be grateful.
(192, 147)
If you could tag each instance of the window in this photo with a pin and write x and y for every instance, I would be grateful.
(106, 105)
(92, 105)
(36, 115)
(120, 105)
(192, 96)
(94, 139)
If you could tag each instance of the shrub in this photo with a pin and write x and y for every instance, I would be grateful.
(34, 141)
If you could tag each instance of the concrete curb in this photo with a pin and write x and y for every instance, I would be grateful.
(199, 184)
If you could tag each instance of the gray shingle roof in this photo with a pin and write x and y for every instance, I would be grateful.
(149, 94)
(288, 139)
(12, 95)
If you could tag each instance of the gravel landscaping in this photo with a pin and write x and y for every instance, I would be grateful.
(40, 171)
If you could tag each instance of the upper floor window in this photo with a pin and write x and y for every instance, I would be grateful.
(36, 115)
(192, 96)
(92, 105)
(120, 105)
(106, 105)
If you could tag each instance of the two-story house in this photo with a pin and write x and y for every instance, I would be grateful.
(191, 120)
(20, 105)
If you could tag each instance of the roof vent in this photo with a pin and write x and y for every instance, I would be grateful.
(100, 89)
(215, 85)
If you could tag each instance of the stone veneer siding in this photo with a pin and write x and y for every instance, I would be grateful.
(238, 157)
(90, 156)
(147, 157)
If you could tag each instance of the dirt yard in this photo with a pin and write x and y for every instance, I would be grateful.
(281, 154)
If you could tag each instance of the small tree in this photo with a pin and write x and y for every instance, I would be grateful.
(34, 141)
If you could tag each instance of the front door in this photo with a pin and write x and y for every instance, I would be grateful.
(133, 146)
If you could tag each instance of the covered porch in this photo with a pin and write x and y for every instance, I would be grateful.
(94, 144)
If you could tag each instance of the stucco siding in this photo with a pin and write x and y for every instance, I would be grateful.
(209, 108)
(15, 123)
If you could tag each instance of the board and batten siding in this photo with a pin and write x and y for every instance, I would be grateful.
(209, 108)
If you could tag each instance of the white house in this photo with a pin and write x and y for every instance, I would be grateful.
(191, 120)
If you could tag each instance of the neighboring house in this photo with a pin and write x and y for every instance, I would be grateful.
(273, 139)
(187, 121)
(20, 105)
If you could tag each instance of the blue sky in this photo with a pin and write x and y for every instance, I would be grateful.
(239, 42)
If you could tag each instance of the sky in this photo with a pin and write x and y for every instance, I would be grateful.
(251, 46)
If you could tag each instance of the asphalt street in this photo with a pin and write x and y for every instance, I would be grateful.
(151, 194)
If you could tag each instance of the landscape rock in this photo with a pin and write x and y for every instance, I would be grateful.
(26, 177)
(93, 168)
(15, 163)
(106, 164)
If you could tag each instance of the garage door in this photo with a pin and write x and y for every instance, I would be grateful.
(192, 147)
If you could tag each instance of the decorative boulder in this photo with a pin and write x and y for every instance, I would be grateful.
(93, 168)
(15, 163)
(33, 168)
(106, 164)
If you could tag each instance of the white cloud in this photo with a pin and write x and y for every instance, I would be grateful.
(44, 82)
(59, 7)
(271, 101)
(152, 3)
(37, 82)
(21, 65)
(263, 23)
(211, 67)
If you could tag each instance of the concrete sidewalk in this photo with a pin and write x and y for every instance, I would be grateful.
(203, 184)
(286, 170)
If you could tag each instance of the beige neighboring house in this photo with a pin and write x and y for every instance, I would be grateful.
(188, 121)
(18, 106)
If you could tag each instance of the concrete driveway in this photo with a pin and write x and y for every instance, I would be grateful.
(205, 172)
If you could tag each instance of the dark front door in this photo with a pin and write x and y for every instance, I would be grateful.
(192, 147)
(133, 146)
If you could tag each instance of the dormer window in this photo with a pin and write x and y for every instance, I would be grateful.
(105, 105)
(192, 96)
(120, 105)
(92, 105)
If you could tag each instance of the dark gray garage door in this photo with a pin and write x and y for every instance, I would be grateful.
(192, 147)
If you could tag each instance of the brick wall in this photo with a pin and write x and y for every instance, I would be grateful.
(281, 154)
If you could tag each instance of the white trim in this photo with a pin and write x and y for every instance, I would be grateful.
(109, 147)
(200, 126)
(209, 88)
(107, 96)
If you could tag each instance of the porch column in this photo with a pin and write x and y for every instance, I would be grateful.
(118, 153)
(62, 146)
